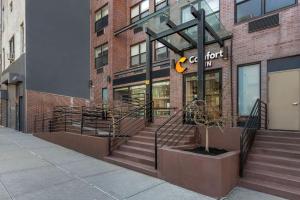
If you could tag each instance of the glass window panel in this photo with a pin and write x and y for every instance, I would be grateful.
(105, 11)
(143, 58)
(135, 50)
(272, 5)
(144, 6)
(248, 88)
(158, 44)
(214, 5)
(159, 1)
(143, 47)
(135, 11)
(248, 9)
(105, 96)
(104, 47)
(161, 53)
(97, 52)
(161, 98)
(135, 60)
(98, 15)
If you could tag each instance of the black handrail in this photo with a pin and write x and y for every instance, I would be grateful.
(172, 131)
(118, 136)
(257, 119)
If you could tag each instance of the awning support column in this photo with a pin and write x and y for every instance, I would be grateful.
(149, 97)
(200, 16)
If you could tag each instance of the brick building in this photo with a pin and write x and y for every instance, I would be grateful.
(45, 59)
(257, 48)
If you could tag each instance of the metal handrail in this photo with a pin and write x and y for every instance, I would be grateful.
(136, 113)
(257, 115)
(168, 136)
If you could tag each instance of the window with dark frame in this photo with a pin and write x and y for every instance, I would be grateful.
(101, 56)
(248, 9)
(159, 4)
(161, 51)
(12, 49)
(139, 11)
(101, 19)
(138, 54)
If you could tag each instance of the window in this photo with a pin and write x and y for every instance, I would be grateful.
(139, 11)
(105, 97)
(101, 19)
(161, 98)
(3, 50)
(101, 56)
(248, 88)
(22, 32)
(247, 9)
(161, 51)
(12, 49)
(11, 6)
(272, 5)
(138, 54)
(159, 4)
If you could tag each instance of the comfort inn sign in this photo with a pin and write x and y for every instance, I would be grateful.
(194, 59)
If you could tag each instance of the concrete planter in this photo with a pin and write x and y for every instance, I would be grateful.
(214, 176)
(96, 147)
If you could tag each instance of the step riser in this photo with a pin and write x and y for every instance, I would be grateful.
(145, 146)
(132, 167)
(278, 139)
(287, 163)
(264, 177)
(152, 140)
(141, 152)
(276, 153)
(255, 166)
(134, 159)
(279, 134)
(272, 191)
(277, 146)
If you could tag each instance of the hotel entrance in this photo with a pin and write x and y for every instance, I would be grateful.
(213, 89)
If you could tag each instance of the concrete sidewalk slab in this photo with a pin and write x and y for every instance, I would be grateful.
(34, 169)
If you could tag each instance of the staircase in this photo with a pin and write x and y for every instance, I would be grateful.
(273, 164)
(138, 152)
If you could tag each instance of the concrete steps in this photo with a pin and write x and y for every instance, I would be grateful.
(138, 152)
(273, 164)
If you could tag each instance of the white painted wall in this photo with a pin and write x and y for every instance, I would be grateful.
(11, 26)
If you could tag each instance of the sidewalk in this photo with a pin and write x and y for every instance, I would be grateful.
(33, 169)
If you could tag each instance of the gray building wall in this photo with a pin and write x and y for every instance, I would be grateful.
(58, 46)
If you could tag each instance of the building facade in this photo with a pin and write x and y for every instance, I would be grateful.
(260, 58)
(42, 65)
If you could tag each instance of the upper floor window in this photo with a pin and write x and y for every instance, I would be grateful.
(101, 56)
(101, 18)
(11, 6)
(159, 4)
(22, 35)
(12, 49)
(138, 54)
(161, 51)
(139, 11)
(247, 9)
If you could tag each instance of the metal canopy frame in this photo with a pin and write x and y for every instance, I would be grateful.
(173, 29)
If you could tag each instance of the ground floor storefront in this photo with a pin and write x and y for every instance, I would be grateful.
(231, 88)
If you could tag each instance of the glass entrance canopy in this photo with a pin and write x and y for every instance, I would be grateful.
(176, 25)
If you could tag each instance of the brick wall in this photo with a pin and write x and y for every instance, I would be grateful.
(38, 103)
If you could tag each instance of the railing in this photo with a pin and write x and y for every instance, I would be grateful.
(173, 131)
(129, 125)
(257, 119)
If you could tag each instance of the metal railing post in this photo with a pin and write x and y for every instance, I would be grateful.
(155, 150)
(259, 113)
(109, 140)
(65, 120)
(266, 117)
(43, 122)
(82, 120)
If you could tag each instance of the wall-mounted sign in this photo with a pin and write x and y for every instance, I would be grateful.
(194, 59)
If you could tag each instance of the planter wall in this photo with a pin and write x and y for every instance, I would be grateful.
(96, 147)
(214, 176)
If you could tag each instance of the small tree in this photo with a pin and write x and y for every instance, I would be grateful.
(206, 116)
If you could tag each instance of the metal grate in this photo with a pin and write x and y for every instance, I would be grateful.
(264, 23)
